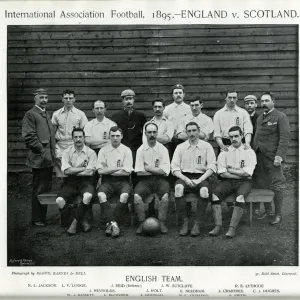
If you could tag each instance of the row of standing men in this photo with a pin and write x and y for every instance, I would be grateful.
(270, 144)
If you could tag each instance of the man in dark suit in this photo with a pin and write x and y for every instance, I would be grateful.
(270, 144)
(131, 122)
(38, 133)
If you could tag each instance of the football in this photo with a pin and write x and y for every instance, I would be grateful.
(151, 226)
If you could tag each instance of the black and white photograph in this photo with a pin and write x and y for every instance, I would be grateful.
(152, 145)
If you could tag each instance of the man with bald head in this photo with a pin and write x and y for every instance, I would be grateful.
(152, 167)
(97, 130)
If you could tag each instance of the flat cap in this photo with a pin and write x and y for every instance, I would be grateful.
(40, 92)
(250, 98)
(177, 86)
(127, 92)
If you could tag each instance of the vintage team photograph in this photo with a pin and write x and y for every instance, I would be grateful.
(152, 145)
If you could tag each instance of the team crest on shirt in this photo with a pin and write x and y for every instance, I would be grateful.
(242, 163)
(156, 163)
(237, 121)
(118, 163)
(198, 160)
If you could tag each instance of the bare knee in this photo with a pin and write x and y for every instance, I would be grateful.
(240, 199)
(137, 199)
(102, 197)
(87, 197)
(204, 192)
(215, 197)
(60, 202)
(179, 188)
(124, 198)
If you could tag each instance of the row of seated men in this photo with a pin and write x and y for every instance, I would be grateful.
(193, 164)
(170, 130)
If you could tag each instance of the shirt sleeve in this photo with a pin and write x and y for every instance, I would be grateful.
(180, 127)
(251, 162)
(101, 159)
(83, 120)
(217, 126)
(165, 163)
(175, 165)
(128, 161)
(211, 159)
(65, 161)
(222, 166)
(170, 129)
(208, 127)
(139, 162)
(88, 129)
(92, 160)
(248, 127)
(54, 119)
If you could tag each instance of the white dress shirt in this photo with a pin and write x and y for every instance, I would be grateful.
(157, 156)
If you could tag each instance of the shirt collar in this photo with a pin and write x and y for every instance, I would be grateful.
(153, 119)
(72, 110)
(82, 150)
(103, 121)
(269, 111)
(231, 148)
(235, 108)
(198, 144)
(111, 148)
(181, 104)
(251, 115)
(42, 109)
(128, 111)
(147, 147)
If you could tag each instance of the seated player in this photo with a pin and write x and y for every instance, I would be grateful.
(115, 165)
(152, 167)
(78, 164)
(194, 161)
(236, 167)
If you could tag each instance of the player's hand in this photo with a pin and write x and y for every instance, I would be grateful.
(277, 161)
(247, 146)
(196, 181)
(189, 182)
(224, 148)
(146, 167)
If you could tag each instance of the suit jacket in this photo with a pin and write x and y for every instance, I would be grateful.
(272, 134)
(38, 133)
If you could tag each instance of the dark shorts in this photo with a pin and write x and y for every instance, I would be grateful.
(152, 184)
(266, 175)
(76, 185)
(233, 186)
(114, 185)
(195, 189)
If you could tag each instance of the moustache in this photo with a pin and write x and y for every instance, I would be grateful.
(152, 138)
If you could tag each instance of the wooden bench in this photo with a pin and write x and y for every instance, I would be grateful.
(256, 195)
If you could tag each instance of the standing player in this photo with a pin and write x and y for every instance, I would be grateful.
(115, 165)
(271, 142)
(152, 167)
(204, 122)
(250, 103)
(235, 166)
(64, 121)
(78, 164)
(176, 111)
(165, 127)
(38, 134)
(97, 130)
(194, 161)
(228, 116)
